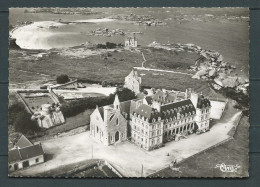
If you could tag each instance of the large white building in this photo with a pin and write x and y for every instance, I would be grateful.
(152, 121)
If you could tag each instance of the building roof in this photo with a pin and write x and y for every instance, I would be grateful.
(14, 155)
(184, 107)
(23, 142)
(203, 102)
(65, 84)
(31, 151)
(17, 155)
(164, 97)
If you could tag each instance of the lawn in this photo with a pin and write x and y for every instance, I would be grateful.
(173, 81)
(233, 152)
(116, 67)
(80, 120)
(35, 103)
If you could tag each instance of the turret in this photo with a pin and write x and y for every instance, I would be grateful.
(116, 103)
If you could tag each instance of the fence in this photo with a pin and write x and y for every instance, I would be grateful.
(25, 104)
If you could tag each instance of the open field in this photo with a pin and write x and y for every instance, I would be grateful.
(174, 81)
(116, 67)
(233, 152)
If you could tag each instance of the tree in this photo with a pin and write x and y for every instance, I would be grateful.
(62, 79)
(124, 94)
(104, 84)
(22, 122)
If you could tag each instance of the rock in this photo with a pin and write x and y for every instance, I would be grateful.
(212, 73)
(231, 82)
(200, 73)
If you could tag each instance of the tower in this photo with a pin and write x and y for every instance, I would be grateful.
(116, 103)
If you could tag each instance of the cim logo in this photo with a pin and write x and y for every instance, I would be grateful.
(227, 168)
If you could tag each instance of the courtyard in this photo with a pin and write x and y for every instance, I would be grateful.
(126, 157)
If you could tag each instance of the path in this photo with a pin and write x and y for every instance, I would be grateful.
(161, 70)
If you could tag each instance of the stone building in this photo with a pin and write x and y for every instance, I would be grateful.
(131, 42)
(48, 116)
(152, 121)
(25, 154)
(108, 124)
(133, 82)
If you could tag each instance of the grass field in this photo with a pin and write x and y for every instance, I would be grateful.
(80, 120)
(173, 81)
(232, 152)
(114, 68)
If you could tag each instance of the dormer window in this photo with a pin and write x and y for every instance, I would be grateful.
(153, 120)
(159, 118)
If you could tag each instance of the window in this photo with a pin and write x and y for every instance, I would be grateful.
(37, 160)
(117, 121)
(111, 117)
(10, 166)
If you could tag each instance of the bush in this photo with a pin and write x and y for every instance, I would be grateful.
(240, 97)
(104, 84)
(20, 119)
(62, 79)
